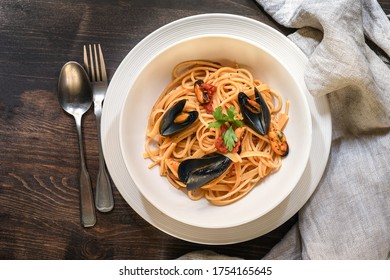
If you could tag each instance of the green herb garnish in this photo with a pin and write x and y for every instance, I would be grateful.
(229, 137)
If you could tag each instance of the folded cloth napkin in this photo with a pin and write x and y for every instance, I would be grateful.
(348, 216)
(348, 46)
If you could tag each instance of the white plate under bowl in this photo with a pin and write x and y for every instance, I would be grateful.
(146, 89)
(124, 78)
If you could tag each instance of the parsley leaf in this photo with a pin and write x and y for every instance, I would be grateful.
(221, 118)
(231, 114)
(229, 137)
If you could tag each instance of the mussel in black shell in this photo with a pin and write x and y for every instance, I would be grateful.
(198, 172)
(256, 113)
(200, 92)
(175, 120)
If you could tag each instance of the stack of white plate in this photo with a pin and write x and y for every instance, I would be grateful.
(146, 71)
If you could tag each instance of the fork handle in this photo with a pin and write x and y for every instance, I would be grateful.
(104, 200)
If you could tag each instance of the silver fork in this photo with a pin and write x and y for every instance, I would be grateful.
(95, 66)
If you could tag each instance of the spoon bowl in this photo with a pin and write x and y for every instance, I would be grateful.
(74, 89)
(75, 97)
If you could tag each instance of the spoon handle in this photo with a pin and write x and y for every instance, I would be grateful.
(88, 217)
(103, 198)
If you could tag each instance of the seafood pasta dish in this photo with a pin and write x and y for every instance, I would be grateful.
(216, 131)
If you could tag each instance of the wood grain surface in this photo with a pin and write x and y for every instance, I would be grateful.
(39, 157)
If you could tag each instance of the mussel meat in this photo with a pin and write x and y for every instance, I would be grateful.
(197, 172)
(256, 113)
(175, 120)
(278, 141)
(201, 92)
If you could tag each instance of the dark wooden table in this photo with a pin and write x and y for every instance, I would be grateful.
(39, 157)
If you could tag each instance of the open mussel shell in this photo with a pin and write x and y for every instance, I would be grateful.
(259, 119)
(169, 126)
(197, 172)
(200, 93)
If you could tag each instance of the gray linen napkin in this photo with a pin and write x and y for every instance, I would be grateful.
(348, 216)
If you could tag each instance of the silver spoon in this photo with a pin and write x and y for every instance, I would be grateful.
(75, 97)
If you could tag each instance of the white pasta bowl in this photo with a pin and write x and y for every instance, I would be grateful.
(147, 87)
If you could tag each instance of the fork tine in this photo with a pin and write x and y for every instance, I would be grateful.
(86, 64)
(92, 66)
(102, 64)
(96, 63)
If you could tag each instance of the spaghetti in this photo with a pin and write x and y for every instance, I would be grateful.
(257, 155)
